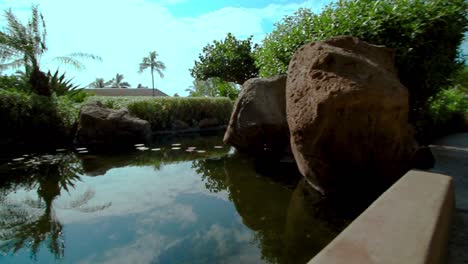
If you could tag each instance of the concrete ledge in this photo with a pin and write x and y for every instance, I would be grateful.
(409, 223)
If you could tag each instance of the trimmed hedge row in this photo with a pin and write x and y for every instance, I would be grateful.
(162, 112)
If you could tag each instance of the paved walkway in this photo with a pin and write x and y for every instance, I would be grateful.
(451, 155)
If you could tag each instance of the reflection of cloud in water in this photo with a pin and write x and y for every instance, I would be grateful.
(143, 250)
(164, 216)
(134, 190)
(175, 213)
(225, 237)
(231, 245)
(129, 190)
(185, 232)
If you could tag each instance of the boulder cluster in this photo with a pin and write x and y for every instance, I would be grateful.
(341, 111)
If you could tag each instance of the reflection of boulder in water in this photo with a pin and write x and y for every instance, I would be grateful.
(311, 224)
(289, 224)
(99, 165)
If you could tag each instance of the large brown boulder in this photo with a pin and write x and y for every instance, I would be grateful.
(348, 115)
(103, 128)
(258, 121)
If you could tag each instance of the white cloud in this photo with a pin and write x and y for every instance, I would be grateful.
(122, 32)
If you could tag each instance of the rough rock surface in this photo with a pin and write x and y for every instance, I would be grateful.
(101, 127)
(348, 115)
(258, 121)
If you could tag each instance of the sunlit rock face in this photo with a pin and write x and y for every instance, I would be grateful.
(258, 122)
(347, 113)
(101, 128)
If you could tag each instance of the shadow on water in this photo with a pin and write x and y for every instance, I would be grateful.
(292, 222)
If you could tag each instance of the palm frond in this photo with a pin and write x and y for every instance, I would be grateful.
(11, 65)
(84, 55)
(70, 61)
(161, 74)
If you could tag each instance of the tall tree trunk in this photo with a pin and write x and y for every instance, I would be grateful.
(152, 79)
(39, 82)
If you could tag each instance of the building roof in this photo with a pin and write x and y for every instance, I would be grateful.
(125, 92)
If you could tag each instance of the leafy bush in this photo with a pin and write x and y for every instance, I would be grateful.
(425, 34)
(448, 105)
(110, 104)
(14, 82)
(448, 111)
(213, 87)
(229, 59)
(80, 96)
(68, 110)
(30, 119)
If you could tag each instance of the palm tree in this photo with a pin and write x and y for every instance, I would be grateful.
(153, 64)
(117, 82)
(25, 44)
(98, 83)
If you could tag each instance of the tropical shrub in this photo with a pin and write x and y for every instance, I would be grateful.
(80, 96)
(14, 82)
(60, 85)
(30, 119)
(425, 34)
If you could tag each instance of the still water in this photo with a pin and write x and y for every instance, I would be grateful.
(161, 205)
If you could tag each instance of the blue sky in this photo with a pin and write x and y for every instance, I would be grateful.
(124, 31)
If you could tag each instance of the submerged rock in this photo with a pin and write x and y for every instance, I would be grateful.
(103, 128)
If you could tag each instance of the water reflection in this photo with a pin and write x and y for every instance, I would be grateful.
(32, 222)
(165, 206)
(97, 165)
(288, 217)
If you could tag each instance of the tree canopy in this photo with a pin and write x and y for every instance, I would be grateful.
(426, 35)
(213, 87)
(229, 59)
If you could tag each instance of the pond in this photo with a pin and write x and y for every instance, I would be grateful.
(183, 200)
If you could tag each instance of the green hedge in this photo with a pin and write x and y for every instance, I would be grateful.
(161, 112)
(31, 119)
(426, 35)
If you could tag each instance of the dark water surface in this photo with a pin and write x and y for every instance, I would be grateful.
(162, 206)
